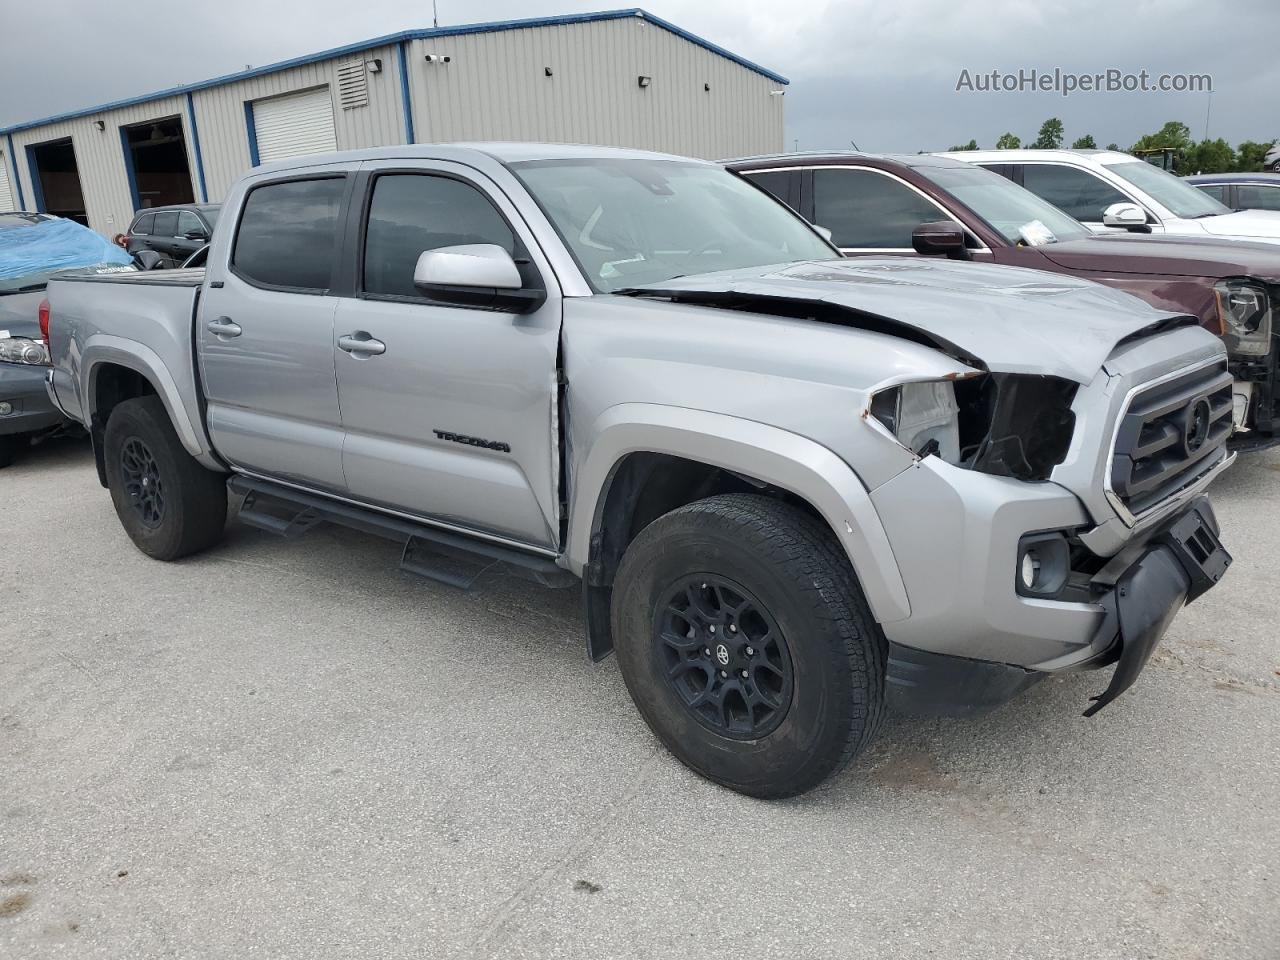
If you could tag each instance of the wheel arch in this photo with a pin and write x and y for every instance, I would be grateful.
(645, 459)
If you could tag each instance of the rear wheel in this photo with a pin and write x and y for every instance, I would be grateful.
(746, 643)
(168, 504)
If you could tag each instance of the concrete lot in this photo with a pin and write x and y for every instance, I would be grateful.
(289, 749)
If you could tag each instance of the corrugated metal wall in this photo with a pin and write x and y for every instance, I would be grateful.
(100, 158)
(495, 88)
(224, 141)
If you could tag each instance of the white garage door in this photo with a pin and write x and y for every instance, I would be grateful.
(294, 125)
(6, 194)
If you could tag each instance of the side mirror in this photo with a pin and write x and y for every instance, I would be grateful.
(196, 235)
(826, 233)
(476, 275)
(1128, 216)
(944, 237)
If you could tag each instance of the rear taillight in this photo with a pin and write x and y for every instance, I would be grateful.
(44, 320)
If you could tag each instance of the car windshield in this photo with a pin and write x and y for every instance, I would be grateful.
(630, 222)
(34, 251)
(1007, 207)
(1177, 196)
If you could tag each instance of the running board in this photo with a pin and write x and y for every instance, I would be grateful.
(441, 555)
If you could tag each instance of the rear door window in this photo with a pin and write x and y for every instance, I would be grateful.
(288, 234)
(1078, 193)
(866, 210)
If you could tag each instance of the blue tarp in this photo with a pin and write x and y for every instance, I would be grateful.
(54, 245)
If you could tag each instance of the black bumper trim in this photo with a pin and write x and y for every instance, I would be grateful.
(919, 682)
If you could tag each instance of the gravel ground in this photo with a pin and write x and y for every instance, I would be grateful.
(290, 749)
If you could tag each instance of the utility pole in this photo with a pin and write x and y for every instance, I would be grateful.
(435, 15)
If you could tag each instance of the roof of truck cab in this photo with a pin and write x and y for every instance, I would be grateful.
(502, 152)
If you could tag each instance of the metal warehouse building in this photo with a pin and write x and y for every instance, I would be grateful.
(620, 78)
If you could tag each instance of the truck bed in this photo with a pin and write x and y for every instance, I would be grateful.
(192, 277)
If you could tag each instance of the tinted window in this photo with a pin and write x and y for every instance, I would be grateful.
(1004, 205)
(1177, 196)
(287, 233)
(775, 182)
(1216, 190)
(166, 224)
(411, 213)
(187, 222)
(1252, 196)
(1076, 193)
(862, 208)
(144, 224)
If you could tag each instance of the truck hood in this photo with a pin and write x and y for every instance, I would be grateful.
(1170, 256)
(1003, 319)
(1262, 224)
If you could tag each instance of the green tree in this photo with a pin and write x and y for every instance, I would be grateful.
(1208, 156)
(971, 145)
(1008, 141)
(1085, 143)
(1113, 146)
(1249, 155)
(1050, 137)
(1173, 135)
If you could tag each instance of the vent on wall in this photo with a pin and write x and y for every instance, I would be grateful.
(353, 85)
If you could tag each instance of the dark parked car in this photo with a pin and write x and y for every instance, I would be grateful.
(33, 248)
(1241, 191)
(923, 204)
(173, 232)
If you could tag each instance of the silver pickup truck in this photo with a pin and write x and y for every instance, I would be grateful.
(796, 489)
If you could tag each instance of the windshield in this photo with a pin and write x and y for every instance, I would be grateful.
(635, 221)
(31, 254)
(1177, 196)
(1007, 207)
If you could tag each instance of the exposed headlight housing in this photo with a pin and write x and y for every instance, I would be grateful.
(1245, 312)
(24, 350)
(1008, 425)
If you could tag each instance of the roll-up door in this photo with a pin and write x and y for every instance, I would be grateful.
(6, 193)
(294, 125)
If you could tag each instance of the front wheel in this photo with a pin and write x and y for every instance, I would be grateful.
(168, 504)
(747, 645)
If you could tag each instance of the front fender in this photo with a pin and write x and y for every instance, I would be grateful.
(769, 454)
(102, 349)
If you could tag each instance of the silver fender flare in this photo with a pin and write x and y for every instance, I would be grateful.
(769, 454)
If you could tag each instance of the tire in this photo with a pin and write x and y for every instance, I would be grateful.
(732, 553)
(10, 447)
(168, 504)
(1276, 166)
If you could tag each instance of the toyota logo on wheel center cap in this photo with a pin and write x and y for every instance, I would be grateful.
(722, 654)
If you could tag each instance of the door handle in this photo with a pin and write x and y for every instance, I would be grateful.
(361, 344)
(224, 328)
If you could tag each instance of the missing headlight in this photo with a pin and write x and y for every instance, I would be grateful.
(1008, 425)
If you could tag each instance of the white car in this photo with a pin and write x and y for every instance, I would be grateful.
(1111, 191)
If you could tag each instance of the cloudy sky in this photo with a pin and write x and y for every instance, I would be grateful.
(881, 74)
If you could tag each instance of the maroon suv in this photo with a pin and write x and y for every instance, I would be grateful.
(927, 205)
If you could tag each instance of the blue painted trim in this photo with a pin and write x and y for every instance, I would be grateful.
(130, 173)
(195, 145)
(252, 131)
(12, 159)
(406, 104)
(404, 36)
(37, 190)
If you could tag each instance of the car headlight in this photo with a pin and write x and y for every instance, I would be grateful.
(923, 416)
(1245, 312)
(24, 350)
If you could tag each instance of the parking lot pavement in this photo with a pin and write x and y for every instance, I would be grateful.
(289, 749)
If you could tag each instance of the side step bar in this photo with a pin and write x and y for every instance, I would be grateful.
(441, 555)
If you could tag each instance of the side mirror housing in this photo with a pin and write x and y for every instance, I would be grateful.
(196, 235)
(826, 233)
(476, 275)
(945, 237)
(1128, 216)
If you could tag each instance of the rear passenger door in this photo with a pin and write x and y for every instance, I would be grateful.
(455, 419)
(265, 330)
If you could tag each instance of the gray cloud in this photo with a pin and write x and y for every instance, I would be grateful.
(879, 74)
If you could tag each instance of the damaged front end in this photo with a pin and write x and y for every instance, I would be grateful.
(1003, 424)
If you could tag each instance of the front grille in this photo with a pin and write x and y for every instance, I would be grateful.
(1170, 435)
